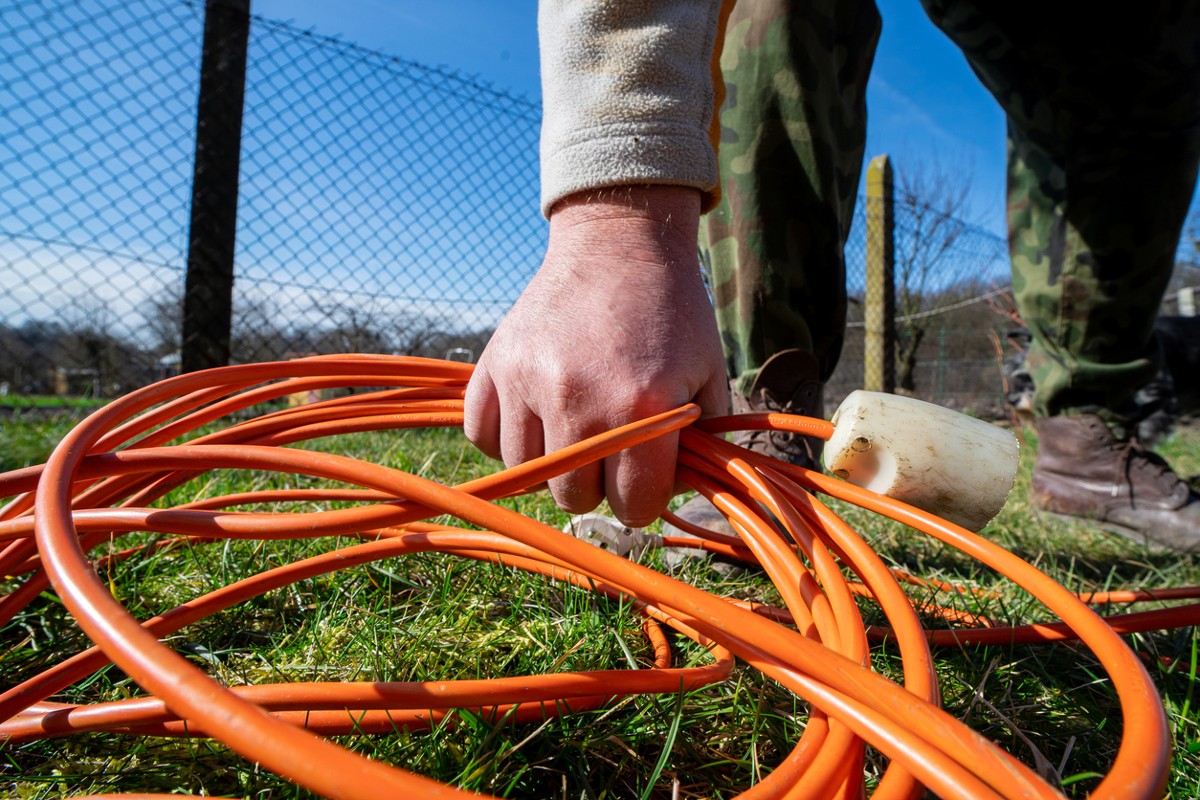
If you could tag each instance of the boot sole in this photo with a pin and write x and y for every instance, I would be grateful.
(1125, 532)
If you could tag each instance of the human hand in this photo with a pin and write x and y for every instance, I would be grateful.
(615, 326)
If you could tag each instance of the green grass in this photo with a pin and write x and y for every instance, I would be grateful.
(52, 401)
(432, 616)
(27, 440)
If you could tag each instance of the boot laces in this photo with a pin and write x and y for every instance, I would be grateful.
(1134, 458)
(783, 441)
(798, 403)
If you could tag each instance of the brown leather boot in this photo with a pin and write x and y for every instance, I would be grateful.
(1084, 470)
(788, 383)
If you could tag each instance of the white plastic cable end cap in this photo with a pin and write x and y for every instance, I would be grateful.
(960, 468)
(609, 534)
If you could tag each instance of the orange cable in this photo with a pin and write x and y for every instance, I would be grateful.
(99, 484)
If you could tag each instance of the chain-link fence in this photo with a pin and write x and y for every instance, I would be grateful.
(383, 206)
(952, 310)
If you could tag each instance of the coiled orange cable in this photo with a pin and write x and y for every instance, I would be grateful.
(101, 480)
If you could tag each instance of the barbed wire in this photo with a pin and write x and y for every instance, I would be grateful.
(933, 312)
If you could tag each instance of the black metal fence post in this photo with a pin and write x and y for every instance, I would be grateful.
(208, 287)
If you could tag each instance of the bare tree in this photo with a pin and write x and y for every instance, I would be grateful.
(355, 329)
(25, 354)
(258, 335)
(90, 347)
(932, 216)
(372, 328)
(162, 319)
(419, 335)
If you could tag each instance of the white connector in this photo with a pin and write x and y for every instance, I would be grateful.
(957, 467)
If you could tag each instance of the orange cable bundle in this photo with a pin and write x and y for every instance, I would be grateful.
(101, 480)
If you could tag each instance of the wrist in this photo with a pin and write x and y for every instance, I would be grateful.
(651, 219)
(676, 208)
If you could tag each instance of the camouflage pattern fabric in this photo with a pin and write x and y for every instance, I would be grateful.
(793, 129)
(1104, 143)
(1103, 147)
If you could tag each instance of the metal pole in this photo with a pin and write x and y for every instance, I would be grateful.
(208, 287)
(879, 346)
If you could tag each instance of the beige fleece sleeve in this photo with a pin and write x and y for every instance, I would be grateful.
(628, 94)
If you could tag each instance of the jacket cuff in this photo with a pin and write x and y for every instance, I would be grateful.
(628, 95)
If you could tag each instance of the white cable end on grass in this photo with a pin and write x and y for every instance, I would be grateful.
(957, 467)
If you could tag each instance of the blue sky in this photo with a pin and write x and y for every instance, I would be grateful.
(924, 103)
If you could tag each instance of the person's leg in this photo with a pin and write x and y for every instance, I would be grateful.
(1104, 144)
(793, 129)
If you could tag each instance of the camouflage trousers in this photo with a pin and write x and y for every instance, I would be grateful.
(1104, 143)
(793, 130)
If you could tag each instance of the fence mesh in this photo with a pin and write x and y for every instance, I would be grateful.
(387, 207)
(96, 153)
(384, 206)
(952, 310)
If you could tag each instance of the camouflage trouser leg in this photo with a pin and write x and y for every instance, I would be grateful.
(793, 129)
(1104, 142)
